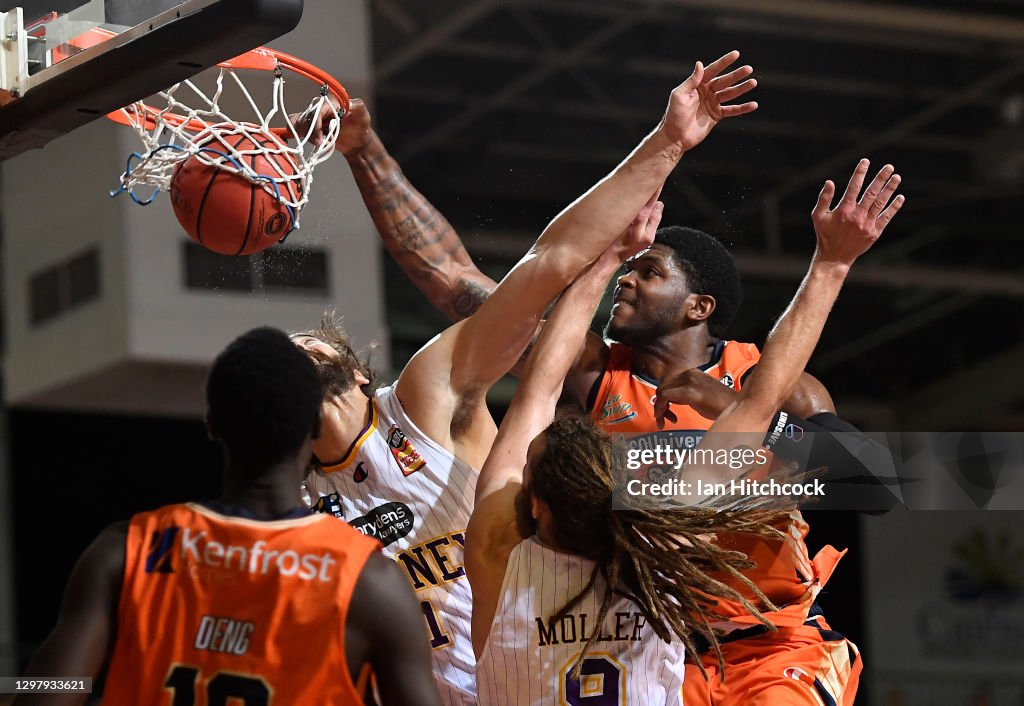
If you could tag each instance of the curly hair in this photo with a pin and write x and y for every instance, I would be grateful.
(710, 269)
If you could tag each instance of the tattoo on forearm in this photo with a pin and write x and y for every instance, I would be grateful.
(418, 230)
(387, 195)
(368, 161)
(469, 296)
(416, 234)
(456, 250)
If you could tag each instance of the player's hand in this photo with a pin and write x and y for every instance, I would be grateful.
(638, 235)
(354, 132)
(847, 231)
(695, 106)
(696, 389)
(355, 129)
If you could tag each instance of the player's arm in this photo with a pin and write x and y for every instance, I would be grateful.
(860, 471)
(387, 618)
(478, 351)
(426, 246)
(417, 235)
(808, 398)
(81, 642)
(493, 529)
(578, 235)
(843, 235)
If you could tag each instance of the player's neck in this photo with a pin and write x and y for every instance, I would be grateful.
(673, 354)
(271, 494)
(548, 542)
(344, 417)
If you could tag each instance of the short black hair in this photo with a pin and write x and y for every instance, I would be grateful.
(710, 269)
(263, 396)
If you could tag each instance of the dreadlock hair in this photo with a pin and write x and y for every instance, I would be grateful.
(338, 373)
(710, 269)
(263, 398)
(659, 557)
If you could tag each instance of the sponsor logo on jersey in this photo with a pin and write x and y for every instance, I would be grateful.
(386, 523)
(360, 474)
(667, 440)
(798, 674)
(199, 551)
(158, 560)
(664, 438)
(616, 411)
(409, 459)
(330, 505)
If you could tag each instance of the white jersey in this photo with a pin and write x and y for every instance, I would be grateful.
(528, 658)
(399, 486)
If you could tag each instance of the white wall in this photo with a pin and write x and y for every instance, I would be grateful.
(107, 355)
(55, 205)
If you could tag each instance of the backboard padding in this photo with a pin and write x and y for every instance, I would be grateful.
(149, 57)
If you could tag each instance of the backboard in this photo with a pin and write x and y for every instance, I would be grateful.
(64, 64)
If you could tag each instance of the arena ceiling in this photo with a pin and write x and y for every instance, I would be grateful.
(503, 112)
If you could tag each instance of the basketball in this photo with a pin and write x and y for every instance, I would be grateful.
(225, 212)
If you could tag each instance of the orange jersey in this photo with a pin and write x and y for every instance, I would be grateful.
(215, 608)
(784, 571)
(795, 666)
(624, 403)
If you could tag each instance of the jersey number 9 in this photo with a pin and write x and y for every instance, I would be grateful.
(602, 682)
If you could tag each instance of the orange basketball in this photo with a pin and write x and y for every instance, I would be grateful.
(225, 212)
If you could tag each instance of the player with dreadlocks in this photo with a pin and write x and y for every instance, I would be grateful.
(574, 598)
(401, 463)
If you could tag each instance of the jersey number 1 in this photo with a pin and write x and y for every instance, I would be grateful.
(251, 691)
(438, 637)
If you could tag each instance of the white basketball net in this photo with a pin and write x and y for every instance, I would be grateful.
(168, 142)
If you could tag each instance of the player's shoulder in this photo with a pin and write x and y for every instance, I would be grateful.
(740, 349)
(115, 534)
(162, 514)
(104, 559)
(379, 585)
(384, 392)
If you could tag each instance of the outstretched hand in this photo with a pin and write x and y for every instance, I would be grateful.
(355, 130)
(852, 227)
(695, 106)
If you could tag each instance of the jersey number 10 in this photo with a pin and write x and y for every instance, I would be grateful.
(251, 691)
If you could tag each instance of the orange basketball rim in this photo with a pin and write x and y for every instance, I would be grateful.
(258, 59)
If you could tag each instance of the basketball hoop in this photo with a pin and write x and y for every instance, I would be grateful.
(178, 132)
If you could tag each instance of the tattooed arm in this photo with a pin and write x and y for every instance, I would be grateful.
(417, 236)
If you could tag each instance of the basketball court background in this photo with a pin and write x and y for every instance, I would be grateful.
(501, 113)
